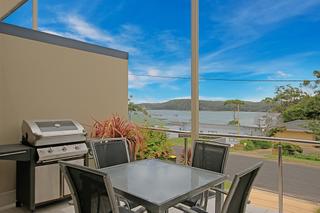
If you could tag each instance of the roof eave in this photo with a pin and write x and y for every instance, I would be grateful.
(12, 9)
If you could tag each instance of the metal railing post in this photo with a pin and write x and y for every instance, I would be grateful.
(280, 178)
(185, 151)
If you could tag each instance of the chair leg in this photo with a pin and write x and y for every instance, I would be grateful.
(118, 201)
(219, 198)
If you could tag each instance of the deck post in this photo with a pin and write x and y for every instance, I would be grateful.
(35, 14)
(194, 70)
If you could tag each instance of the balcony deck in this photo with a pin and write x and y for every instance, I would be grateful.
(261, 202)
(64, 207)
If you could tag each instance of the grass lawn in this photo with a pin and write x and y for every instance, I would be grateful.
(178, 141)
(267, 154)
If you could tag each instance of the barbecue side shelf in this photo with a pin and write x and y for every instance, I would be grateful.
(23, 155)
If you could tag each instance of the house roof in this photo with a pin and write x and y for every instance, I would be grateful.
(35, 35)
(297, 125)
(9, 6)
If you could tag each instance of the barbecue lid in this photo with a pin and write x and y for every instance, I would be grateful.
(46, 132)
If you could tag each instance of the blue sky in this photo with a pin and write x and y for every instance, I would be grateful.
(262, 39)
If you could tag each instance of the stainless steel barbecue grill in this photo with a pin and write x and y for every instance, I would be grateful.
(39, 181)
(52, 132)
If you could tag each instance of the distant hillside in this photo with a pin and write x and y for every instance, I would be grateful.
(185, 104)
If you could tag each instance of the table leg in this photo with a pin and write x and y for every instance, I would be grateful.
(157, 211)
(206, 198)
(219, 199)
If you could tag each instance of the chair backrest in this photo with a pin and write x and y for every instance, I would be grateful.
(210, 156)
(236, 200)
(91, 190)
(109, 152)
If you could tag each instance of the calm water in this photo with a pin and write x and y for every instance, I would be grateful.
(249, 119)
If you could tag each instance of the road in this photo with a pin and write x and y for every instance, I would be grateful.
(299, 180)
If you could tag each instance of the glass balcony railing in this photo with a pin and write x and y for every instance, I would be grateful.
(289, 179)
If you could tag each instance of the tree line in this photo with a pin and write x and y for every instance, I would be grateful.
(299, 103)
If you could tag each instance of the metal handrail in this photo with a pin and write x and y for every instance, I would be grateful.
(186, 134)
(273, 139)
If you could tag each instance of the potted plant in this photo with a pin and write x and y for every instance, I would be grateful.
(117, 127)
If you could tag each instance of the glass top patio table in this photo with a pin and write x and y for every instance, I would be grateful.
(159, 185)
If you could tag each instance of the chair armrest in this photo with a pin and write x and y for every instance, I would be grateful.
(219, 190)
(140, 210)
(184, 209)
(223, 192)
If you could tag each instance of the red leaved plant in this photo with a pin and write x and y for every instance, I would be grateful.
(117, 127)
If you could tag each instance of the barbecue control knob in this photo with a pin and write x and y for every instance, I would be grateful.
(50, 150)
(64, 148)
(76, 147)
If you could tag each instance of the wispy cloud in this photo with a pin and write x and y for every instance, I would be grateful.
(266, 12)
(173, 43)
(279, 67)
(78, 28)
(82, 28)
(152, 70)
(282, 74)
(245, 23)
(249, 21)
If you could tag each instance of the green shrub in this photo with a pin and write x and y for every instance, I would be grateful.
(314, 126)
(233, 122)
(248, 145)
(262, 144)
(290, 149)
(273, 131)
(155, 146)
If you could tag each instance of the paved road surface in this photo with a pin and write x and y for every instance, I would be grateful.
(300, 181)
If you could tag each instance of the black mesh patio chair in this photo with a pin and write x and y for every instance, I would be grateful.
(237, 197)
(210, 156)
(110, 152)
(91, 190)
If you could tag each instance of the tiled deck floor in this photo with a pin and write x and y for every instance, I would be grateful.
(64, 207)
(262, 202)
(269, 200)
